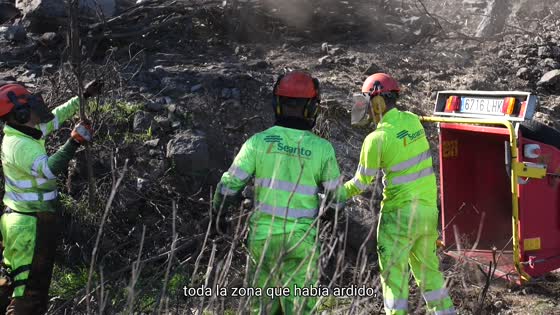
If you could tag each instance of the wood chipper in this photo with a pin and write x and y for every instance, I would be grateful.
(500, 182)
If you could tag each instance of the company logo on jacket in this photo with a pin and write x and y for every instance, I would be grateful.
(405, 134)
(276, 146)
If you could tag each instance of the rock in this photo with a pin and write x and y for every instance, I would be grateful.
(499, 304)
(551, 64)
(523, 73)
(48, 13)
(550, 78)
(188, 152)
(325, 48)
(373, 68)
(544, 52)
(50, 39)
(503, 54)
(258, 65)
(154, 106)
(152, 143)
(325, 60)
(171, 85)
(164, 122)
(196, 88)
(361, 223)
(142, 121)
(556, 52)
(157, 168)
(533, 52)
(15, 33)
(336, 51)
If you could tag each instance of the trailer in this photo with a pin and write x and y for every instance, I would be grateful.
(500, 182)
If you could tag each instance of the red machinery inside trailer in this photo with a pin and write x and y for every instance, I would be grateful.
(500, 188)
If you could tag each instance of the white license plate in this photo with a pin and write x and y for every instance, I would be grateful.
(486, 106)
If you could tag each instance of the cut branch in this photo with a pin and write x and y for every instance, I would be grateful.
(76, 65)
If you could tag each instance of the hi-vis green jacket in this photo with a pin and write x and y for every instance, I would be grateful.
(399, 148)
(30, 183)
(290, 166)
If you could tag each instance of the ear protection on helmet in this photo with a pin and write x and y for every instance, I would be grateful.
(312, 106)
(276, 99)
(22, 113)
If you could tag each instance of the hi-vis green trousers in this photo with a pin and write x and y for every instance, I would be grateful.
(408, 237)
(30, 242)
(284, 261)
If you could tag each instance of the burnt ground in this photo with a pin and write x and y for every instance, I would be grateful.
(210, 77)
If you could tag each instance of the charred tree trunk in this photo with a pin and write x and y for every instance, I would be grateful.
(495, 18)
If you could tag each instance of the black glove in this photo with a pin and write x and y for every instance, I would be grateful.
(221, 207)
(93, 88)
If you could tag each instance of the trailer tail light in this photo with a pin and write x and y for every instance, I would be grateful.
(453, 104)
(531, 151)
(523, 109)
(509, 105)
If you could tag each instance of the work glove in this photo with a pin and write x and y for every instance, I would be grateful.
(82, 133)
(93, 88)
(221, 207)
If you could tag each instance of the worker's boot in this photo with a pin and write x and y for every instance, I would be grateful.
(30, 304)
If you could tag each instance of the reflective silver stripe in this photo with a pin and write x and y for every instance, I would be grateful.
(47, 171)
(449, 311)
(435, 295)
(288, 212)
(19, 183)
(55, 123)
(239, 173)
(227, 191)
(396, 305)
(50, 195)
(332, 184)
(286, 186)
(367, 171)
(411, 162)
(31, 196)
(412, 177)
(37, 163)
(23, 184)
(359, 184)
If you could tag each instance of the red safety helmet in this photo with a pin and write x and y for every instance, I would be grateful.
(380, 83)
(7, 94)
(297, 84)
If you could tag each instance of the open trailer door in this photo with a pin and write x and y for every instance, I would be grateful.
(500, 195)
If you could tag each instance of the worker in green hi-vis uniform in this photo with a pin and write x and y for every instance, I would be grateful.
(290, 166)
(407, 229)
(30, 222)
